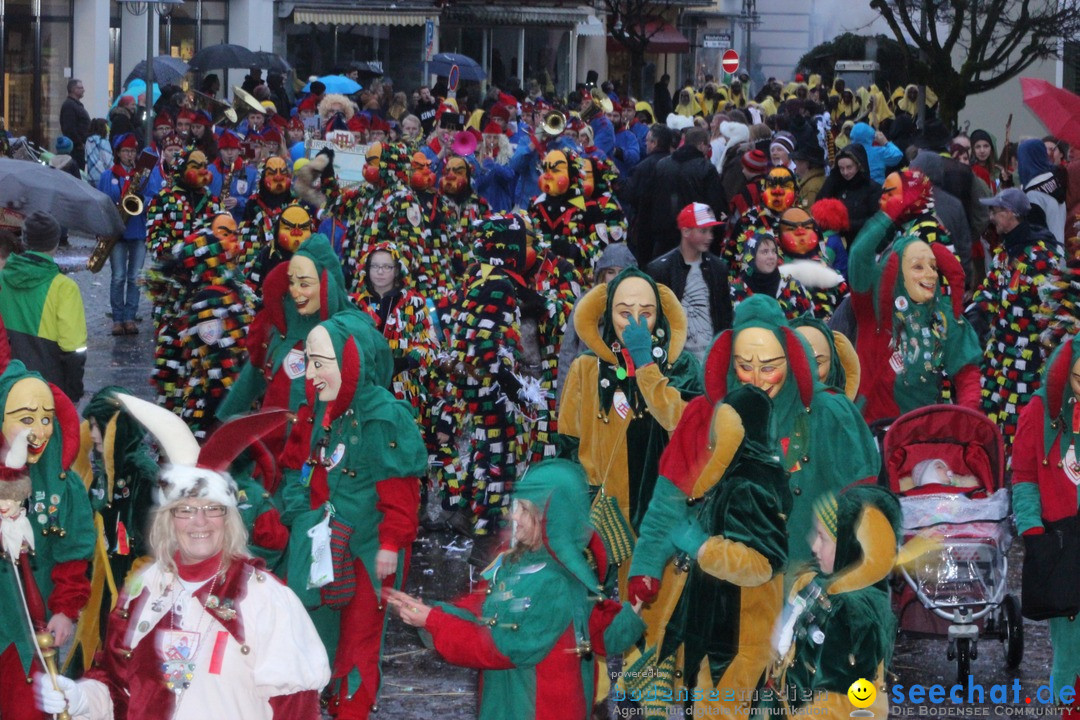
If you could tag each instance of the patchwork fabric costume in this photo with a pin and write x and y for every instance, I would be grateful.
(778, 192)
(357, 458)
(558, 212)
(436, 260)
(788, 291)
(720, 508)
(1045, 469)
(61, 524)
(536, 657)
(1013, 357)
(922, 353)
(273, 192)
(463, 205)
(618, 410)
(604, 216)
(804, 260)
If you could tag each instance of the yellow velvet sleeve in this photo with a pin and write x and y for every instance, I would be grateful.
(734, 562)
(665, 402)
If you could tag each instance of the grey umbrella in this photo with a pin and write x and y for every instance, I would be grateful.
(270, 61)
(167, 70)
(28, 186)
(224, 56)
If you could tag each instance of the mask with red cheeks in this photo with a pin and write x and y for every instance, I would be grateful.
(455, 179)
(224, 229)
(588, 183)
(195, 174)
(798, 236)
(276, 176)
(779, 189)
(294, 227)
(421, 178)
(555, 180)
(373, 164)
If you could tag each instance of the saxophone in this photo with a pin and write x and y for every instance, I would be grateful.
(130, 205)
(226, 187)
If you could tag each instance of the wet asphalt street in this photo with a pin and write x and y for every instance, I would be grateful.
(418, 685)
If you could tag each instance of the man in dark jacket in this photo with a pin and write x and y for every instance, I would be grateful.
(43, 309)
(697, 277)
(947, 207)
(685, 177)
(850, 183)
(640, 191)
(75, 121)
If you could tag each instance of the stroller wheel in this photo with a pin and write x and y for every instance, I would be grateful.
(963, 660)
(1012, 628)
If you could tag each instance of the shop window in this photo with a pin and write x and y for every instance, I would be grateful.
(55, 59)
(18, 70)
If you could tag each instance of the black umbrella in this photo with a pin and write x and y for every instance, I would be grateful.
(29, 186)
(270, 61)
(167, 70)
(371, 68)
(225, 55)
(469, 68)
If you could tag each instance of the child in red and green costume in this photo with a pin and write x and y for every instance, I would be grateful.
(539, 618)
(914, 337)
(354, 452)
(1046, 474)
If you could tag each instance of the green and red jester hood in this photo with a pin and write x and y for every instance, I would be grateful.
(865, 521)
(63, 446)
(1059, 399)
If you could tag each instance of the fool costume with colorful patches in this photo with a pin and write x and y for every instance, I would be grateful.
(558, 212)
(914, 337)
(756, 279)
(182, 209)
(204, 625)
(273, 192)
(779, 190)
(803, 258)
(484, 388)
(846, 628)
(437, 261)
(463, 204)
(539, 620)
(825, 442)
(623, 398)
(1008, 297)
(719, 508)
(58, 518)
(292, 228)
(604, 217)
(1046, 474)
(353, 459)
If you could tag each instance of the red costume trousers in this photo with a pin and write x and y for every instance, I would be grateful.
(16, 694)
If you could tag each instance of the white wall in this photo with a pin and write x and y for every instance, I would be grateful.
(90, 57)
(251, 24)
(990, 110)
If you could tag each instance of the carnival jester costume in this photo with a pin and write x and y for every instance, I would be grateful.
(294, 225)
(838, 367)
(436, 261)
(463, 204)
(623, 399)
(915, 338)
(60, 525)
(1046, 474)
(779, 190)
(826, 444)
(354, 457)
(273, 193)
(843, 628)
(753, 280)
(539, 618)
(604, 217)
(804, 260)
(721, 507)
(558, 212)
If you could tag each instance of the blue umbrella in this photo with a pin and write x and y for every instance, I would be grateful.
(134, 89)
(470, 69)
(337, 84)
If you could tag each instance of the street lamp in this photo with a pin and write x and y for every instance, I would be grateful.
(162, 7)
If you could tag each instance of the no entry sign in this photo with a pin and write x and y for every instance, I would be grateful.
(730, 62)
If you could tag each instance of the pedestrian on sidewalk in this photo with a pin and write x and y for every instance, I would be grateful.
(75, 121)
(43, 309)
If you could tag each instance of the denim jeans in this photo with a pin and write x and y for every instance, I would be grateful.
(126, 261)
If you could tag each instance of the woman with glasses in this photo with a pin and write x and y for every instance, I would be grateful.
(204, 627)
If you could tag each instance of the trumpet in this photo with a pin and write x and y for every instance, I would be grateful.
(601, 103)
(554, 124)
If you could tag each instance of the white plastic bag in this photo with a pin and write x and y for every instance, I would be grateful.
(322, 562)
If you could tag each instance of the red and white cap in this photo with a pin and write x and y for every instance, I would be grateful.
(697, 215)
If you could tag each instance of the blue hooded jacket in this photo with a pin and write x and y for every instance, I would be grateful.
(880, 157)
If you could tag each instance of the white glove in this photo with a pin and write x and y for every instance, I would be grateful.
(53, 701)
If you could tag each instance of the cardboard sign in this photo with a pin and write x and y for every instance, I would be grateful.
(349, 159)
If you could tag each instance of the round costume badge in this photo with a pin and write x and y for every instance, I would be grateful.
(616, 233)
(54, 499)
(413, 213)
(901, 303)
(602, 232)
(210, 331)
(241, 187)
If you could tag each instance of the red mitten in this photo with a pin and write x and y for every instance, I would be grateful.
(911, 199)
(1039, 530)
(268, 531)
(643, 588)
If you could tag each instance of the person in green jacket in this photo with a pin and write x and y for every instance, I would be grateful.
(43, 309)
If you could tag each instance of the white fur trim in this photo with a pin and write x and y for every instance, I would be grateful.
(16, 532)
(178, 482)
(15, 457)
(679, 122)
(811, 273)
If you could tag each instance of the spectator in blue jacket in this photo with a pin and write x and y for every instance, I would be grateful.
(880, 153)
(495, 180)
(627, 150)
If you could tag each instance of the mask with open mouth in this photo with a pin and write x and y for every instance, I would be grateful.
(30, 406)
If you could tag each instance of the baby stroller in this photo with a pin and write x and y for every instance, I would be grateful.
(947, 465)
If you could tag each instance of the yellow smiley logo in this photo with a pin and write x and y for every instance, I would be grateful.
(862, 693)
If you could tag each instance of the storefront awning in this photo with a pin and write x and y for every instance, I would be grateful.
(663, 38)
(317, 16)
(592, 27)
(500, 15)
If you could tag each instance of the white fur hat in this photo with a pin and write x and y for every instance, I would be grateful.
(195, 472)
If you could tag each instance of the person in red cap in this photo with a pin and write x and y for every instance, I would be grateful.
(241, 176)
(122, 118)
(128, 255)
(697, 277)
(202, 136)
(184, 119)
(495, 179)
(626, 152)
(163, 125)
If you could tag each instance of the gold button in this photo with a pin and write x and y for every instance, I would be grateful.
(125, 614)
(127, 654)
(260, 577)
